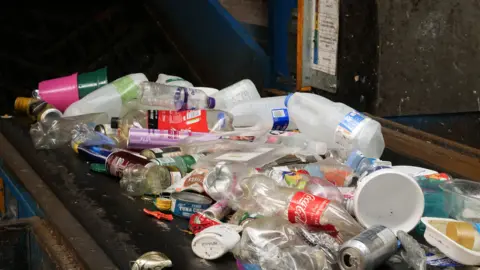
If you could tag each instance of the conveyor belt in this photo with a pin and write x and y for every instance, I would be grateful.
(115, 221)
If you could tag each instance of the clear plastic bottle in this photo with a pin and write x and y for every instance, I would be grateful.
(174, 97)
(151, 179)
(236, 93)
(270, 112)
(58, 132)
(361, 164)
(260, 194)
(301, 180)
(110, 98)
(195, 121)
(336, 124)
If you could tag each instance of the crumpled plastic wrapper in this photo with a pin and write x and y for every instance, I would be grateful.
(274, 243)
(412, 252)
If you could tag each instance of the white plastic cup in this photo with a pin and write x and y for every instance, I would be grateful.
(390, 198)
(215, 241)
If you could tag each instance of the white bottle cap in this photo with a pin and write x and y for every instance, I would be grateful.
(215, 241)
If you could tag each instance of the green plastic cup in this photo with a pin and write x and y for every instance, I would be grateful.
(91, 81)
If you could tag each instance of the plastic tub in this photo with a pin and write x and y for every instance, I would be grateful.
(462, 199)
(390, 198)
(435, 235)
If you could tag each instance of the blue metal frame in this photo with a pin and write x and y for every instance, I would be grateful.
(279, 18)
(26, 205)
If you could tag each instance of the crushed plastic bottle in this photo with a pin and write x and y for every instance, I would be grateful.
(274, 243)
(260, 194)
(174, 97)
(59, 132)
(340, 125)
(412, 252)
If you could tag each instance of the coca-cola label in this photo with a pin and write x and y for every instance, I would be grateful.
(306, 208)
(192, 120)
(199, 222)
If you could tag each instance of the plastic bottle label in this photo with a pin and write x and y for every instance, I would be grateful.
(348, 128)
(127, 88)
(280, 119)
(306, 209)
(175, 177)
(165, 161)
(192, 120)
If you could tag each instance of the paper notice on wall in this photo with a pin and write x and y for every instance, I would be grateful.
(325, 36)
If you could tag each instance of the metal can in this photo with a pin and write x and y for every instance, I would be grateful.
(185, 204)
(218, 210)
(151, 260)
(38, 110)
(160, 152)
(369, 249)
(118, 160)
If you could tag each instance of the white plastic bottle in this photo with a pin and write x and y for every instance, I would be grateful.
(270, 112)
(336, 124)
(236, 93)
(109, 98)
(173, 80)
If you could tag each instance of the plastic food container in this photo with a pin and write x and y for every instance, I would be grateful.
(462, 199)
(390, 198)
(435, 234)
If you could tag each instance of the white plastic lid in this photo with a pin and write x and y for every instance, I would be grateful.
(413, 170)
(390, 198)
(208, 246)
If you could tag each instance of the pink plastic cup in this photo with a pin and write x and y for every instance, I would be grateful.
(60, 92)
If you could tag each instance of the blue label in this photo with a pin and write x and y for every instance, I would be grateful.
(280, 119)
(187, 209)
(221, 117)
(351, 121)
(441, 260)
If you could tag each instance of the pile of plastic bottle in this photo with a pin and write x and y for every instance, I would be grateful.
(285, 182)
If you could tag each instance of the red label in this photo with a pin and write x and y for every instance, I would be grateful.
(192, 120)
(306, 208)
(199, 222)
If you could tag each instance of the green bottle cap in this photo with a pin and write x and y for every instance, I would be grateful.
(91, 81)
(98, 167)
